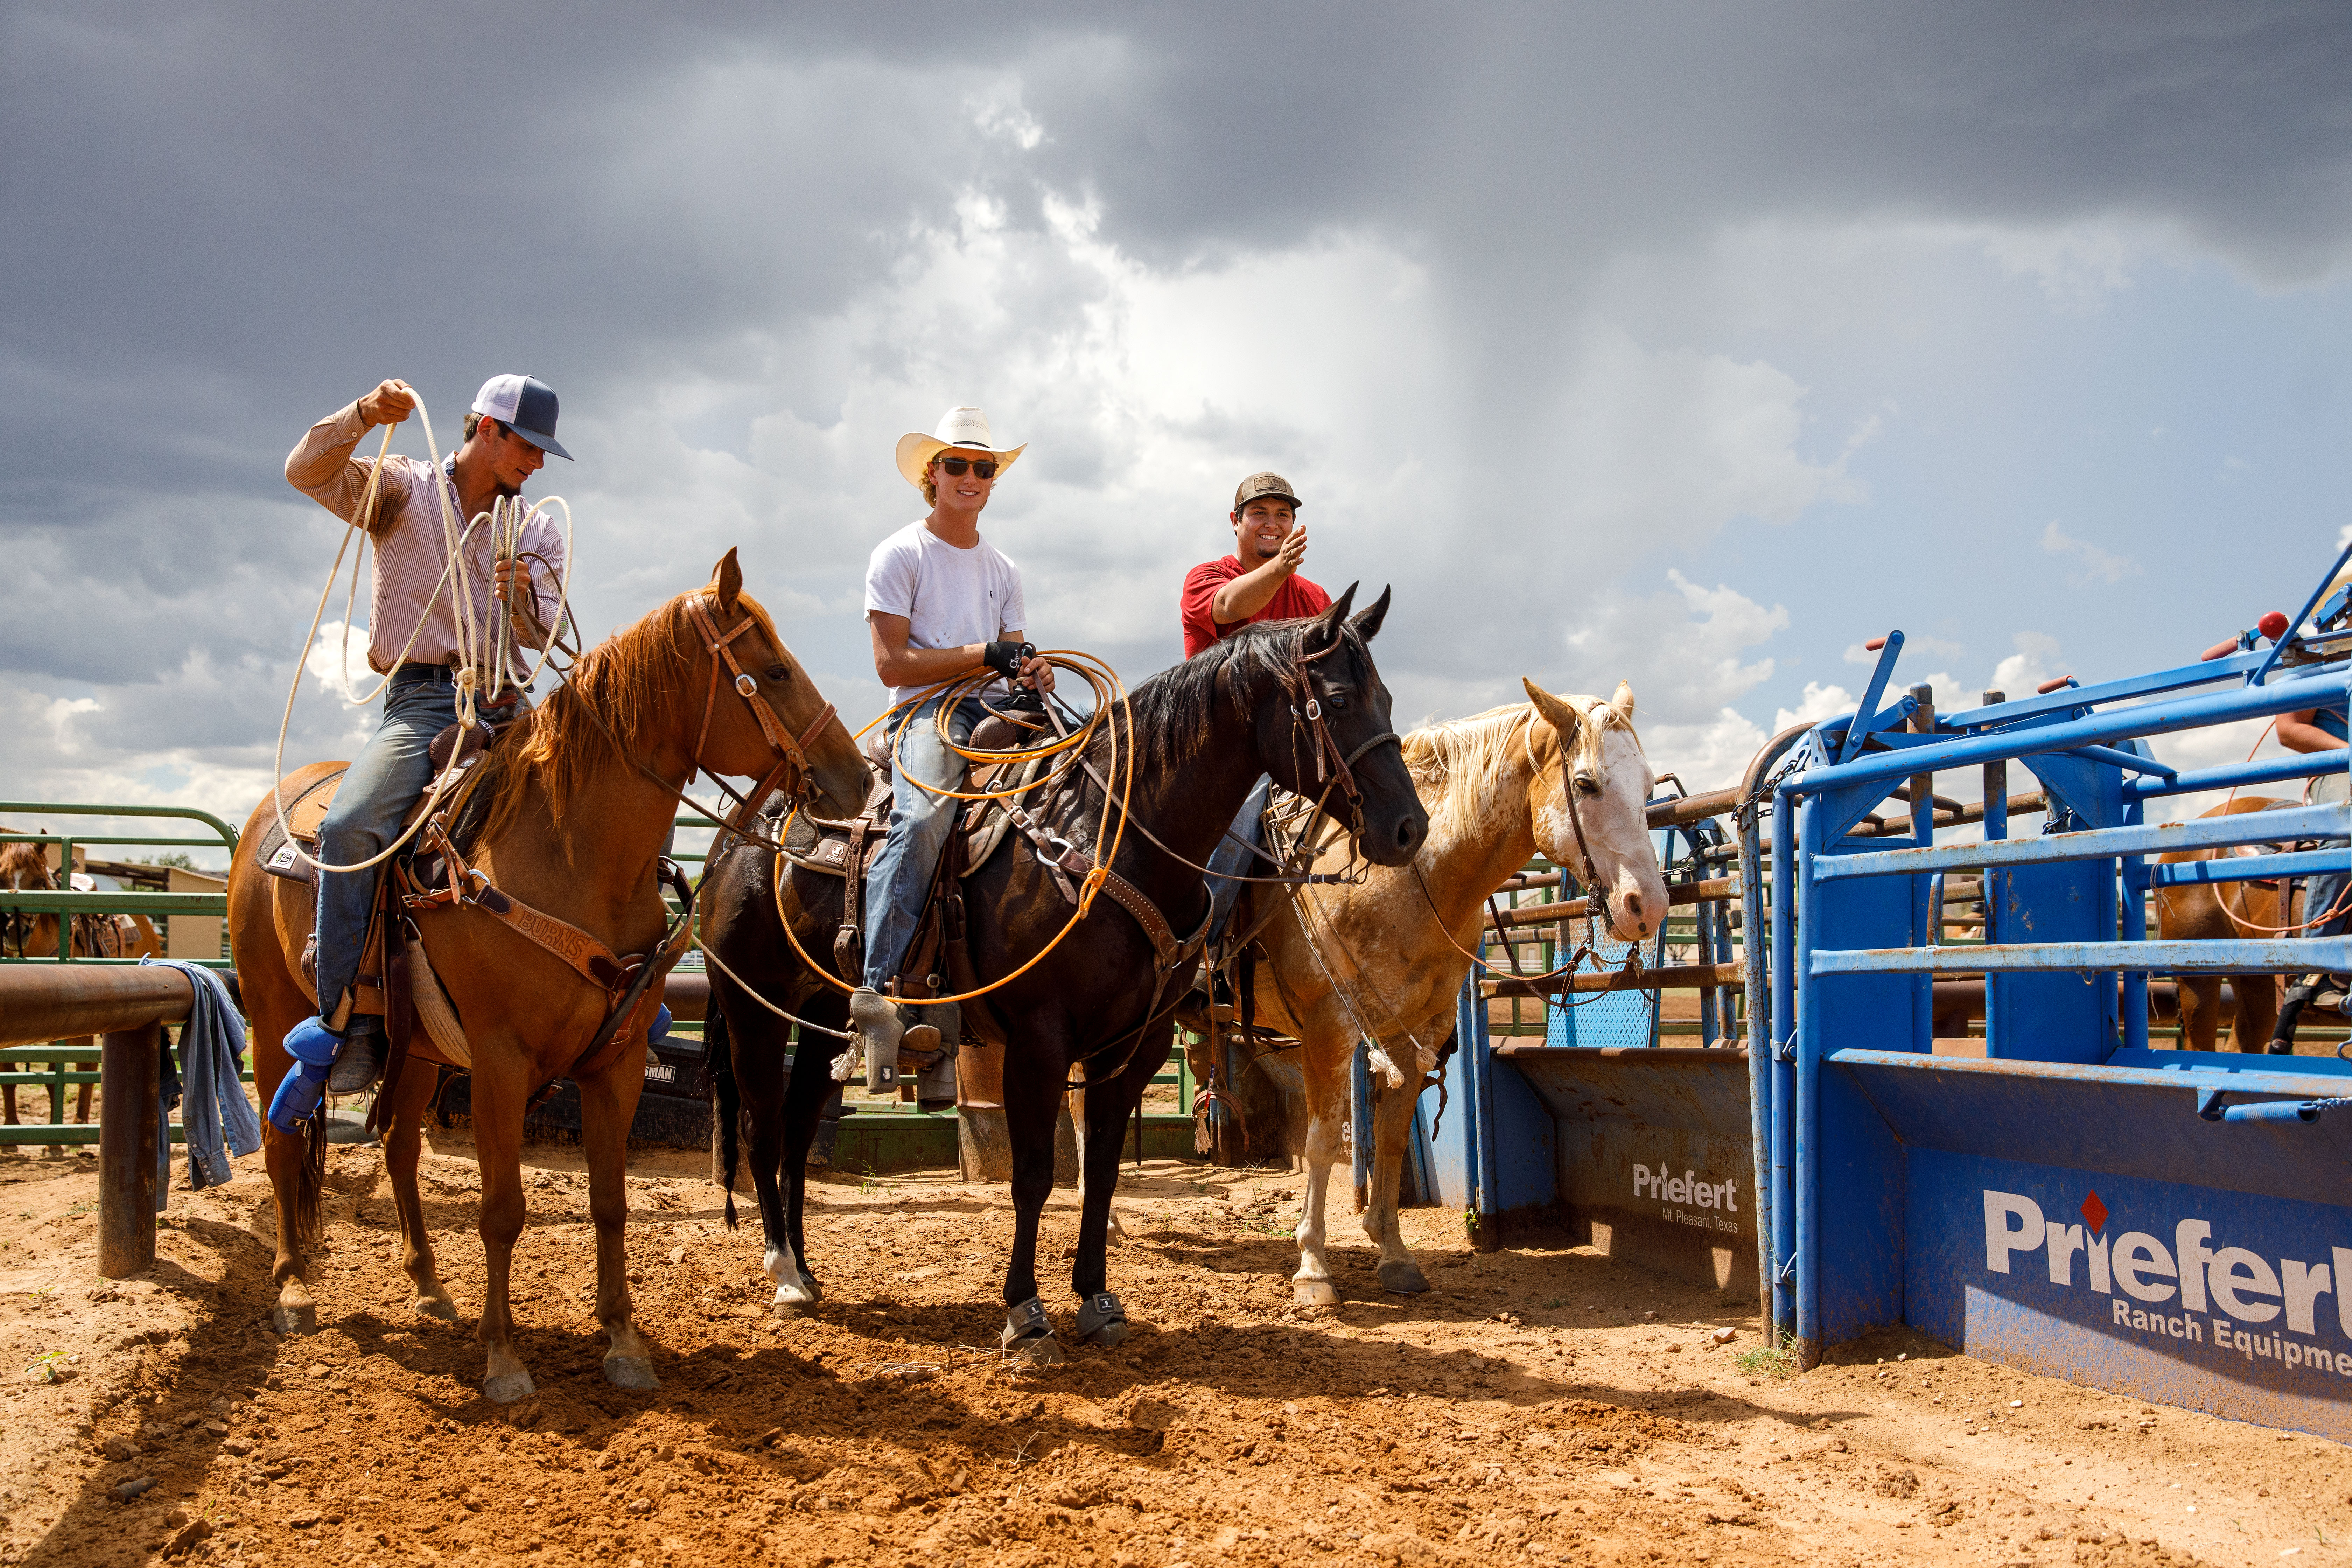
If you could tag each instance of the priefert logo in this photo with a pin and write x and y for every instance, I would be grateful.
(2241, 1283)
(1686, 1188)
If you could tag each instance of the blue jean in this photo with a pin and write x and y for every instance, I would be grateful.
(919, 825)
(386, 778)
(1229, 859)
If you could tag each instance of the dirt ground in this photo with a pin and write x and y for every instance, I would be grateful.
(1542, 1405)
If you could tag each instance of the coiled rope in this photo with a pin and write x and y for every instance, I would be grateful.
(1108, 689)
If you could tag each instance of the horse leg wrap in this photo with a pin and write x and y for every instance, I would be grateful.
(1101, 1320)
(1028, 1333)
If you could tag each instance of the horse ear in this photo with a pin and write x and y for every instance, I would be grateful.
(1623, 701)
(1326, 627)
(727, 582)
(1368, 625)
(1555, 713)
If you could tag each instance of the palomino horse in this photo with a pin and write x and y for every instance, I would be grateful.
(22, 867)
(1298, 699)
(582, 800)
(1387, 959)
(2221, 911)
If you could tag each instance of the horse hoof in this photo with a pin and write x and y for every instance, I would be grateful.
(1314, 1293)
(808, 1283)
(1101, 1320)
(792, 1304)
(508, 1388)
(436, 1306)
(633, 1371)
(1402, 1275)
(300, 1318)
(1045, 1350)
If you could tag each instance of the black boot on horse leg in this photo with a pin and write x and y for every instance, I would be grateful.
(1029, 1122)
(1101, 1320)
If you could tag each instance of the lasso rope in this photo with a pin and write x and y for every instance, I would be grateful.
(1108, 687)
(469, 643)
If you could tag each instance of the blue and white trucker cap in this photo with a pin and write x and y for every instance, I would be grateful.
(524, 404)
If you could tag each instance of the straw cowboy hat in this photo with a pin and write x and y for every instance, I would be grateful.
(963, 428)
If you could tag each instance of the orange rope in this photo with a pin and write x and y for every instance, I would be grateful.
(1094, 878)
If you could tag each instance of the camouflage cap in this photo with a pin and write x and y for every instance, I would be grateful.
(1258, 486)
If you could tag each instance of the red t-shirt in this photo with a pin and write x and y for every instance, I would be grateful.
(1296, 599)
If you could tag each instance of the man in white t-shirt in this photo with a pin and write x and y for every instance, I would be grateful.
(941, 601)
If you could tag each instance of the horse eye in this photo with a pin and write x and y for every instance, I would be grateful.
(1587, 785)
(779, 672)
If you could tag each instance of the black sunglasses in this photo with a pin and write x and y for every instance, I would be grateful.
(984, 467)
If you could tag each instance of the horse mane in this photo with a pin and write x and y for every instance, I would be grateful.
(633, 682)
(1453, 760)
(1181, 701)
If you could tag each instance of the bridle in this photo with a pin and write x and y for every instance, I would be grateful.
(1594, 889)
(792, 751)
(22, 924)
(1331, 763)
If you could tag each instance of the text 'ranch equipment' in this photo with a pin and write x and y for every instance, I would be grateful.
(2162, 1224)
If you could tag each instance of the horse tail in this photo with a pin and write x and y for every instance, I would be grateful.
(725, 1102)
(310, 1181)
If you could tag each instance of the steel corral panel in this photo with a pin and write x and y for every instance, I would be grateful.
(1655, 1156)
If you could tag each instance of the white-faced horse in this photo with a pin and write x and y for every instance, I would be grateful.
(1386, 958)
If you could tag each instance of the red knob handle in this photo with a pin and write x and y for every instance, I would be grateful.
(2273, 625)
(2048, 687)
(2218, 650)
(1873, 645)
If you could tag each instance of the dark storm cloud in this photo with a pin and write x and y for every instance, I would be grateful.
(225, 222)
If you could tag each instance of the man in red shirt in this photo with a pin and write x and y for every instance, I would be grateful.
(1260, 581)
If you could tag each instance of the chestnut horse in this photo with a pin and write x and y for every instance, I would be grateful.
(1298, 699)
(1386, 958)
(2204, 912)
(582, 796)
(23, 867)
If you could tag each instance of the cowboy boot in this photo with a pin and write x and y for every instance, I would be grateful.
(360, 1061)
(873, 1021)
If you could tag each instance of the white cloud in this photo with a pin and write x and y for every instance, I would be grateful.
(2035, 662)
(1819, 702)
(2079, 265)
(338, 661)
(2105, 565)
(1671, 442)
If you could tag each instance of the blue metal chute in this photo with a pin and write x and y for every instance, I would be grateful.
(1910, 1184)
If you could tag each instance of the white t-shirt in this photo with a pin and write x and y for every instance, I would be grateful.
(951, 597)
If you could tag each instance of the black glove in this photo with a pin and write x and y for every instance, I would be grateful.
(1006, 657)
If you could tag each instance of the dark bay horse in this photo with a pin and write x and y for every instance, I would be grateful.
(1098, 1005)
(581, 799)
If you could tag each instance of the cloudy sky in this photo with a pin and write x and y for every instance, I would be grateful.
(1690, 346)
